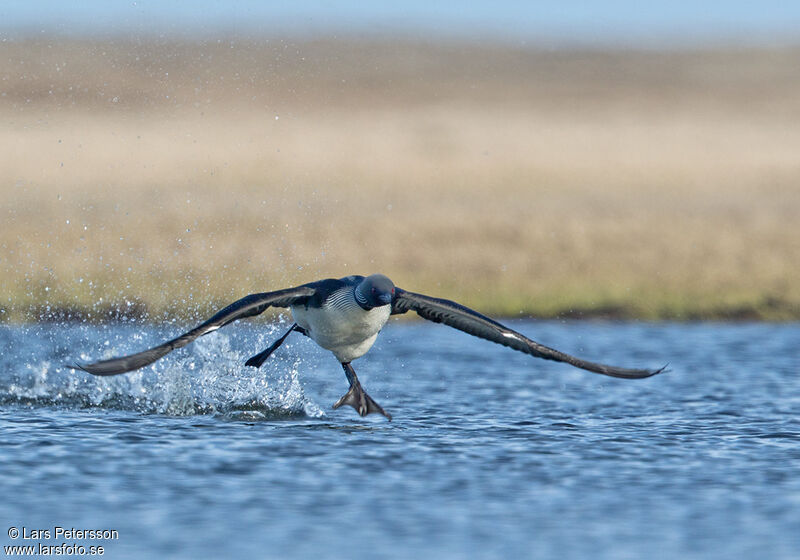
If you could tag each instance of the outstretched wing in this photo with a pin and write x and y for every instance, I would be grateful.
(248, 306)
(471, 322)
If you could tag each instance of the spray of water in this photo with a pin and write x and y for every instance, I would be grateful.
(208, 377)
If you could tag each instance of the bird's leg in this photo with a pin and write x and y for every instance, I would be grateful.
(357, 397)
(261, 357)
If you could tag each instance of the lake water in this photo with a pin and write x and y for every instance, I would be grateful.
(491, 453)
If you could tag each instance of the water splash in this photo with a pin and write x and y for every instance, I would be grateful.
(208, 377)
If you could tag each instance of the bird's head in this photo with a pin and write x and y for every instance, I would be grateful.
(375, 291)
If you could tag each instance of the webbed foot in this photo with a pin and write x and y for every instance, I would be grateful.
(361, 401)
(261, 357)
(358, 398)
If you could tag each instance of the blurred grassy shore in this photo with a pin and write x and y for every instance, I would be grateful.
(163, 178)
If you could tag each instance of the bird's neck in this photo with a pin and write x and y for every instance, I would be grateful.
(361, 299)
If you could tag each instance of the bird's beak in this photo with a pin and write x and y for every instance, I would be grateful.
(385, 299)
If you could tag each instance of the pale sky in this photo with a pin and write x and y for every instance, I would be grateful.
(558, 21)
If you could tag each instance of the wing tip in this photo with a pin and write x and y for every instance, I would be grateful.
(82, 367)
(92, 369)
(662, 369)
(634, 373)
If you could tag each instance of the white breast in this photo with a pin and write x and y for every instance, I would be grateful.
(341, 325)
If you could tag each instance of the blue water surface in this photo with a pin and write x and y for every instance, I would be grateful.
(491, 453)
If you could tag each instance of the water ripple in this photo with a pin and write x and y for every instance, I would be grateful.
(490, 454)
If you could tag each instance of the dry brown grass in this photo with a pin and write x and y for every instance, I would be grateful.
(178, 174)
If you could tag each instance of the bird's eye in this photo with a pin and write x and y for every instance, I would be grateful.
(373, 290)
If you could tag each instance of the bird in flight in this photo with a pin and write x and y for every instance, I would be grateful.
(345, 316)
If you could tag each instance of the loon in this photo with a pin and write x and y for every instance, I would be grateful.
(345, 316)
